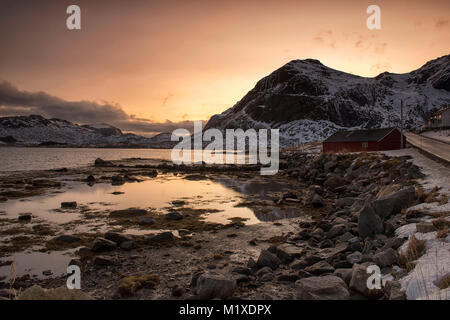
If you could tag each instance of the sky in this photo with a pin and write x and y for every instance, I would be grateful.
(149, 66)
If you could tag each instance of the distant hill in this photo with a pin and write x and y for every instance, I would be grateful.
(35, 130)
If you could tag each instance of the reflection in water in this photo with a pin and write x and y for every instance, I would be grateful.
(219, 193)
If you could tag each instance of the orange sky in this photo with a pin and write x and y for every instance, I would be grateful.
(187, 60)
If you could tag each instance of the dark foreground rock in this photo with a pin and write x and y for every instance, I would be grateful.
(322, 288)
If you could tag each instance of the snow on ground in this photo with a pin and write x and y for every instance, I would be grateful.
(434, 264)
(441, 135)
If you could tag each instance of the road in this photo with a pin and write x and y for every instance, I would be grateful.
(435, 147)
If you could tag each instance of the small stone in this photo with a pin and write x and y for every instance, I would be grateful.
(178, 291)
(127, 245)
(67, 239)
(102, 244)
(69, 205)
(319, 268)
(145, 221)
(104, 261)
(267, 259)
(25, 217)
(174, 215)
(161, 237)
(386, 258)
(322, 288)
(212, 285)
(354, 257)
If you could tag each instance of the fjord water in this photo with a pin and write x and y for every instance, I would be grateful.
(20, 159)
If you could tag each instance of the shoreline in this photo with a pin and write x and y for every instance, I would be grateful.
(270, 259)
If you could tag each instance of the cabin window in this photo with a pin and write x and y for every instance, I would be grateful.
(365, 144)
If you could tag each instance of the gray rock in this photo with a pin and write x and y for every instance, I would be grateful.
(266, 277)
(369, 223)
(102, 163)
(288, 252)
(104, 261)
(267, 259)
(117, 180)
(25, 217)
(317, 201)
(69, 205)
(336, 230)
(319, 268)
(298, 264)
(145, 221)
(127, 245)
(214, 286)
(287, 277)
(395, 202)
(386, 258)
(131, 212)
(322, 288)
(242, 270)
(358, 282)
(354, 257)
(334, 182)
(161, 237)
(117, 237)
(67, 239)
(263, 271)
(344, 273)
(345, 202)
(174, 215)
(102, 244)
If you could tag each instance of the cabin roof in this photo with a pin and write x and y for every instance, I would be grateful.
(359, 135)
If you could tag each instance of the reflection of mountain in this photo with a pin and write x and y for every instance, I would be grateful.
(261, 190)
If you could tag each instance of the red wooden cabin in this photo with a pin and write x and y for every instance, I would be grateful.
(363, 140)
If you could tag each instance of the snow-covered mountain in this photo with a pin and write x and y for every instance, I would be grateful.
(308, 101)
(37, 130)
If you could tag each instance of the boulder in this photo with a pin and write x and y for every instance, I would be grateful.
(127, 245)
(131, 212)
(214, 286)
(174, 215)
(161, 237)
(288, 252)
(317, 201)
(322, 288)
(145, 221)
(319, 268)
(67, 239)
(369, 223)
(354, 257)
(90, 179)
(336, 230)
(102, 244)
(386, 258)
(345, 202)
(104, 261)
(344, 273)
(395, 202)
(334, 182)
(117, 237)
(358, 282)
(102, 163)
(268, 259)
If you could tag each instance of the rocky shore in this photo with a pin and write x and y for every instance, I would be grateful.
(354, 210)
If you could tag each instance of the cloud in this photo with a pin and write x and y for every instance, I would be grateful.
(325, 37)
(18, 102)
